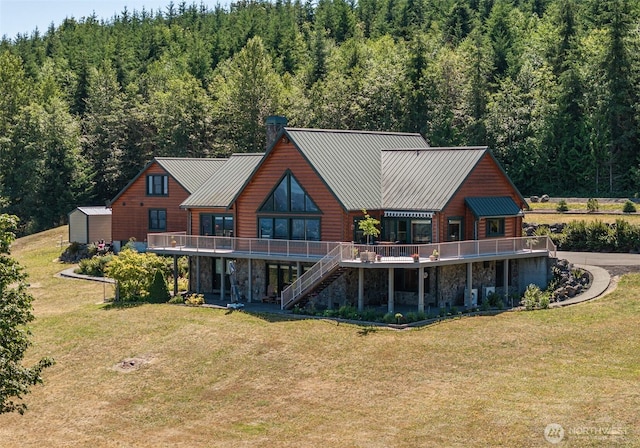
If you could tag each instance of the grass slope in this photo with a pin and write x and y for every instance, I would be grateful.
(237, 380)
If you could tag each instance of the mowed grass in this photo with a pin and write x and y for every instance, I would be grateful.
(218, 379)
(609, 212)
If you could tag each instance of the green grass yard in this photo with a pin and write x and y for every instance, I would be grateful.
(237, 380)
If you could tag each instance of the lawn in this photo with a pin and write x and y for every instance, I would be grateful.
(220, 379)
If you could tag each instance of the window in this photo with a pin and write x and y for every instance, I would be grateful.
(216, 225)
(157, 185)
(289, 228)
(288, 196)
(421, 231)
(157, 219)
(495, 226)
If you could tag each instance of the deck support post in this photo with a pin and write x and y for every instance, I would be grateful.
(421, 289)
(505, 275)
(360, 289)
(250, 292)
(468, 293)
(223, 271)
(391, 291)
(175, 275)
(198, 274)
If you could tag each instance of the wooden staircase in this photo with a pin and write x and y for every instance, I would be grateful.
(314, 291)
(316, 279)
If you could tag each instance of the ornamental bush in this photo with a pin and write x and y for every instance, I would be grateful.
(134, 273)
(629, 207)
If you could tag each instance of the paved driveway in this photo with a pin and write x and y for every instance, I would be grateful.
(600, 259)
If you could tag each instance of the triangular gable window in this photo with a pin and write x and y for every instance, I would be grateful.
(289, 197)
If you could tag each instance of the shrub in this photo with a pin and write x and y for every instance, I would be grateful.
(534, 298)
(562, 206)
(389, 318)
(592, 205)
(348, 312)
(94, 266)
(134, 273)
(493, 299)
(176, 299)
(194, 300)
(629, 207)
(370, 315)
(158, 291)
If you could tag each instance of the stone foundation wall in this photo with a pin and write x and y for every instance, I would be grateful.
(446, 283)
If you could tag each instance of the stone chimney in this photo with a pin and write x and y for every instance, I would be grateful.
(274, 124)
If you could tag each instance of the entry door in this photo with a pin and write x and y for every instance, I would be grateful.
(454, 229)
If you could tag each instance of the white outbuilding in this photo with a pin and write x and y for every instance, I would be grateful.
(90, 225)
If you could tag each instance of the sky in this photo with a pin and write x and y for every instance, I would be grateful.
(23, 16)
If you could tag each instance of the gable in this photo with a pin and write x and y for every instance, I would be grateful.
(348, 162)
(187, 173)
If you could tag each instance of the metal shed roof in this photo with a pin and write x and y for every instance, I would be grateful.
(425, 179)
(349, 161)
(95, 210)
(493, 207)
(222, 187)
(188, 172)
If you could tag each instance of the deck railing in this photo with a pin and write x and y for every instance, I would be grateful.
(189, 244)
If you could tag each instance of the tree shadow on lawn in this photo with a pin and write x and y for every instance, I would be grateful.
(122, 305)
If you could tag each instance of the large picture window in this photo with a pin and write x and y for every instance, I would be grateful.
(158, 219)
(157, 185)
(287, 197)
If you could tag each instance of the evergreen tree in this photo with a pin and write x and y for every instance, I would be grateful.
(16, 311)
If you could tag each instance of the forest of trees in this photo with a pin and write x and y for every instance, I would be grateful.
(552, 86)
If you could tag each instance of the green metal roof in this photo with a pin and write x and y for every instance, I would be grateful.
(426, 179)
(349, 161)
(493, 207)
(221, 189)
(188, 172)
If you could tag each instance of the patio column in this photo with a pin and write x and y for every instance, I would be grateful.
(223, 270)
(421, 289)
(250, 282)
(505, 275)
(198, 274)
(360, 289)
(298, 269)
(469, 293)
(391, 293)
(175, 275)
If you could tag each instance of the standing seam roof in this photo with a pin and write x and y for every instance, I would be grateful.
(188, 172)
(349, 161)
(222, 187)
(425, 179)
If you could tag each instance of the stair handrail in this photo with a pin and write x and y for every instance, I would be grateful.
(315, 273)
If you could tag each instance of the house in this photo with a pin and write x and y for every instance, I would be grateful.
(150, 202)
(90, 224)
(289, 221)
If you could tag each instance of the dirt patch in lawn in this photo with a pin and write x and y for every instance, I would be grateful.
(129, 365)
